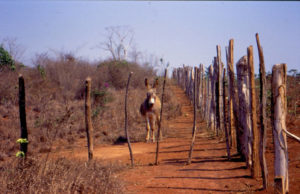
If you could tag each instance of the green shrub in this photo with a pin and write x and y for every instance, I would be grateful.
(6, 59)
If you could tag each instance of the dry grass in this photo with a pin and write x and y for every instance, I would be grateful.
(36, 175)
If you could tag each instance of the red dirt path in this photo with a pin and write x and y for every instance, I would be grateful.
(210, 171)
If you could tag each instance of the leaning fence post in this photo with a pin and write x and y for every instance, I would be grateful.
(279, 110)
(126, 121)
(194, 124)
(160, 118)
(263, 123)
(24, 134)
(88, 118)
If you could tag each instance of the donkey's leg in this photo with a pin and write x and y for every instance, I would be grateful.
(147, 129)
(152, 126)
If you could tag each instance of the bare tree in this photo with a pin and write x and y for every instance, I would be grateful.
(15, 50)
(119, 40)
(40, 59)
(135, 55)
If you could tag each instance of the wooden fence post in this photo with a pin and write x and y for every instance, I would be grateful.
(220, 91)
(232, 99)
(160, 118)
(126, 121)
(225, 116)
(216, 95)
(23, 125)
(203, 92)
(255, 144)
(191, 83)
(279, 110)
(244, 108)
(198, 87)
(88, 119)
(194, 123)
(208, 100)
(228, 116)
(200, 75)
(263, 106)
(213, 98)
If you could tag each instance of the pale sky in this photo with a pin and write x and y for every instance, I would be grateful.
(181, 32)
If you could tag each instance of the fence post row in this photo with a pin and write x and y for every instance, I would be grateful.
(232, 109)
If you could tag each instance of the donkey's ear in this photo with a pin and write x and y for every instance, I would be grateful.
(146, 83)
(155, 84)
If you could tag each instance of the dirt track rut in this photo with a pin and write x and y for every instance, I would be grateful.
(210, 171)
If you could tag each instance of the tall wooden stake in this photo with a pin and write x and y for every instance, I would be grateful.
(88, 119)
(220, 84)
(194, 124)
(229, 114)
(233, 101)
(225, 116)
(160, 120)
(126, 121)
(263, 123)
(217, 95)
(22, 111)
(279, 110)
(203, 92)
(255, 144)
(213, 98)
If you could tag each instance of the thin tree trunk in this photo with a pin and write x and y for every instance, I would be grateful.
(279, 111)
(194, 125)
(160, 118)
(225, 116)
(88, 119)
(126, 121)
(255, 144)
(22, 111)
(263, 107)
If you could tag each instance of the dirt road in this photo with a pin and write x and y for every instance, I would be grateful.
(209, 172)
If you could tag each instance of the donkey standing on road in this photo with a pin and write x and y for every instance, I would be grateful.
(150, 109)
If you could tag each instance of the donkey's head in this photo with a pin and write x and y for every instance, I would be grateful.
(151, 93)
